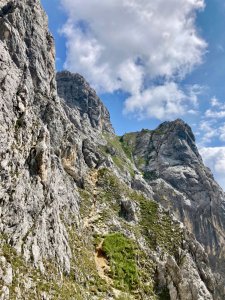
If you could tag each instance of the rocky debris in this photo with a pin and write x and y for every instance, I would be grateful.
(184, 282)
(91, 156)
(183, 274)
(102, 264)
(138, 183)
(6, 274)
(5, 293)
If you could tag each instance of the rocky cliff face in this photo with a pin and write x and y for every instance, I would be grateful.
(172, 166)
(31, 172)
(80, 212)
(78, 95)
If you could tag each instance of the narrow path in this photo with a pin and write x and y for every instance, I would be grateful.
(102, 264)
(93, 216)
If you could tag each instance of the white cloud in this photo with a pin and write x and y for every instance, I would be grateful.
(222, 133)
(207, 128)
(211, 130)
(163, 102)
(215, 102)
(214, 158)
(122, 44)
(215, 114)
(218, 111)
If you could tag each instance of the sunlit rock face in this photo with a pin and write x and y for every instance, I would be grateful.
(32, 176)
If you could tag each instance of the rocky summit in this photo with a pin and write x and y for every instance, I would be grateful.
(85, 214)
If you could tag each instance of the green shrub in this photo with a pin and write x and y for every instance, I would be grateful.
(150, 175)
(121, 254)
(164, 294)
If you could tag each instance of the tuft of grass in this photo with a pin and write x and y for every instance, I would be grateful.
(110, 185)
(159, 131)
(86, 202)
(120, 252)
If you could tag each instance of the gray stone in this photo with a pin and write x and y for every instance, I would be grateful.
(174, 169)
(128, 210)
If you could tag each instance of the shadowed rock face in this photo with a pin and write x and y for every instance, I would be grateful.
(67, 183)
(173, 167)
(77, 93)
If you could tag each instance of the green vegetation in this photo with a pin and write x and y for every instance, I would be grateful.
(157, 226)
(110, 184)
(50, 282)
(140, 162)
(124, 297)
(83, 277)
(146, 131)
(155, 223)
(83, 266)
(150, 175)
(121, 254)
(128, 144)
(86, 202)
(164, 294)
(131, 269)
(120, 156)
(159, 131)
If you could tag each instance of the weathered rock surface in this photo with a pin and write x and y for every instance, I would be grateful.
(32, 177)
(173, 167)
(64, 172)
(77, 93)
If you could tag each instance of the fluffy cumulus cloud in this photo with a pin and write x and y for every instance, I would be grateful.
(217, 110)
(210, 131)
(162, 101)
(142, 47)
(212, 126)
(214, 158)
(215, 114)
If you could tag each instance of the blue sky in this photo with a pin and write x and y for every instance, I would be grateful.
(150, 63)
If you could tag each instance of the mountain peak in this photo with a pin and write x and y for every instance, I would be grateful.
(77, 93)
(178, 126)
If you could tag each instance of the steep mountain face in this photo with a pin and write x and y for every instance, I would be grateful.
(80, 212)
(80, 96)
(31, 175)
(172, 166)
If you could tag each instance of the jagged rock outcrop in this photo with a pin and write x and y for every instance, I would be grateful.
(79, 95)
(76, 216)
